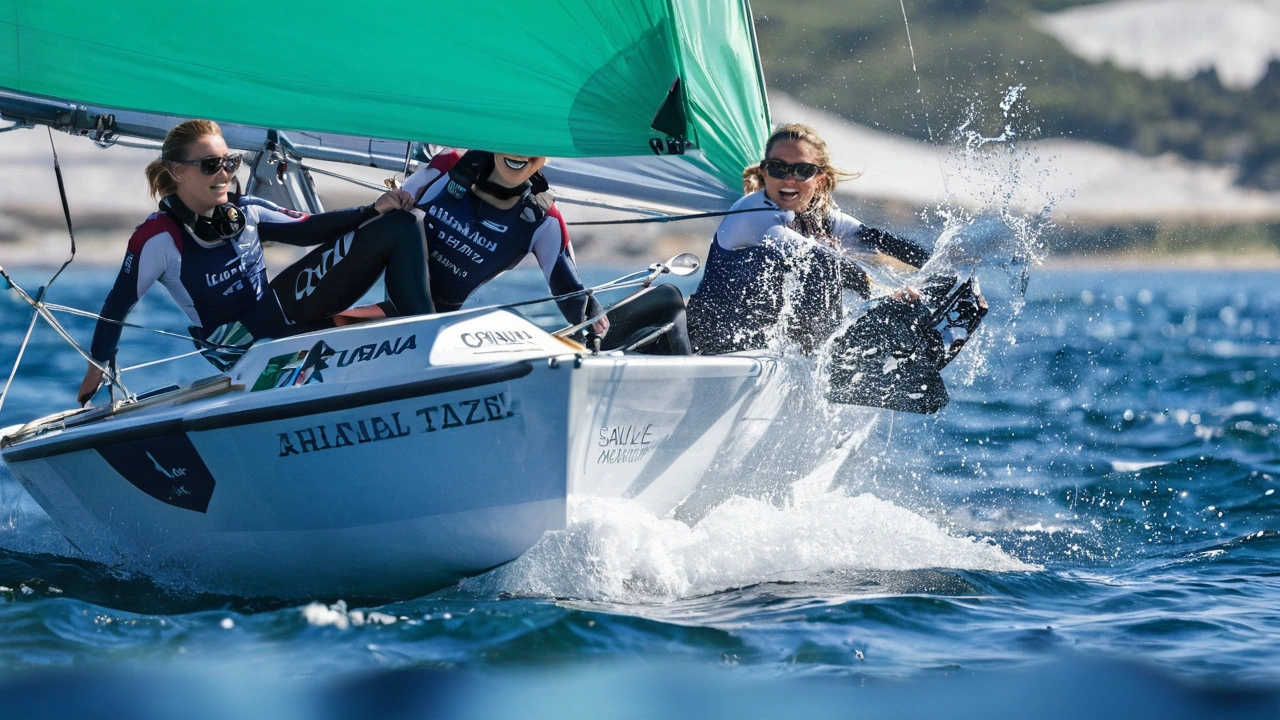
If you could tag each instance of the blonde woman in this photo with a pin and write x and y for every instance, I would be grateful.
(790, 226)
(204, 244)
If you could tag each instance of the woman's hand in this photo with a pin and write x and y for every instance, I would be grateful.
(907, 294)
(601, 326)
(393, 200)
(89, 386)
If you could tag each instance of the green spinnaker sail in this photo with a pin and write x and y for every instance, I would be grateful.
(564, 78)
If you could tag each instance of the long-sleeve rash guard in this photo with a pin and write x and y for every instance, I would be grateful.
(470, 242)
(742, 289)
(218, 284)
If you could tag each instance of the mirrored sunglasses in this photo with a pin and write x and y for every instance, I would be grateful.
(779, 170)
(212, 164)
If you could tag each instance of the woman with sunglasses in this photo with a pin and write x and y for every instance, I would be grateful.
(788, 224)
(204, 244)
(482, 214)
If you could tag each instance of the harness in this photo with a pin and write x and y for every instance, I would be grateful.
(474, 167)
(225, 223)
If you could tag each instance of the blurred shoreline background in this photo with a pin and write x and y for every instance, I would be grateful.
(1147, 132)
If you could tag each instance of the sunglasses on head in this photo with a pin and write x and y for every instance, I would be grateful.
(212, 164)
(779, 170)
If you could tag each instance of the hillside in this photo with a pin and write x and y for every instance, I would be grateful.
(853, 59)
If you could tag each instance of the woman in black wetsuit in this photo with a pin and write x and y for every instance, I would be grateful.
(205, 246)
(484, 212)
(797, 230)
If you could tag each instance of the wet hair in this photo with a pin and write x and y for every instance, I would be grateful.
(180, 137)
(823, 197)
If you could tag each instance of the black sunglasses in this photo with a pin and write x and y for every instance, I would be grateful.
(779, 170)
(212, 164)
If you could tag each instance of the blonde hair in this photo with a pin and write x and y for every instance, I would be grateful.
(180, 137)
(823, 198)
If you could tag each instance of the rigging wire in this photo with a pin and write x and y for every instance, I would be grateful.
(672, 218)
(22, 349)
(95, 316)
(923, 103)
(625, 221)
(37, 303)
(66, 212)
(348, 178)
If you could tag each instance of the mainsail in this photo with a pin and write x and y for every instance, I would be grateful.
(563, 78)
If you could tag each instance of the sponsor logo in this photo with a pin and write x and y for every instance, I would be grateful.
(305, 284)
(343, 434)
(463, 229)
(496, 338)
(166, 467)
(625, 435)
(448, 265)
(212, 279)
(434, 418)
(373, 351)
(300, 368)
(467, 412)
(624, 444)
(128, 263)
(171, 474)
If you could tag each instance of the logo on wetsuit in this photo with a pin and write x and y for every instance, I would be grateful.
(305, 284)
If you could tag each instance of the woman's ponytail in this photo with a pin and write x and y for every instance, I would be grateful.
(159, 180)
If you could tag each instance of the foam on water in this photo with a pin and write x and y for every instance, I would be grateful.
(615, 551)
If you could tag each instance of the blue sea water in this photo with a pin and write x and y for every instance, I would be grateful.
(1089, 529)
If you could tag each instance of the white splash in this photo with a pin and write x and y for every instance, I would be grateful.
(614, 551)
(337, 615)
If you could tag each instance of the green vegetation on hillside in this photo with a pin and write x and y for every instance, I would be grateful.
(852, 58)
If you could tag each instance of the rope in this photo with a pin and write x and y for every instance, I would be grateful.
(354, 181)
(673, 218)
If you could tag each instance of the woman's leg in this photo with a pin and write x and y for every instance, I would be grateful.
(337, 273)
(660, 305)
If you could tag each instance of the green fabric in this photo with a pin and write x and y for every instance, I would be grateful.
(722, 78)
(564, 78)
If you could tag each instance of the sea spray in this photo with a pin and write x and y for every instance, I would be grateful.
(614, 551)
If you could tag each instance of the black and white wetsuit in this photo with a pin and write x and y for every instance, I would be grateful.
(226, 281)
(470, 242)
(743, 289)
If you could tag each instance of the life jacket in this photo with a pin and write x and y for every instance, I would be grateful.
(474, 167)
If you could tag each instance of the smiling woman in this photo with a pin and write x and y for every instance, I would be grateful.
(796, 230)
(204, 244)
(482, 213)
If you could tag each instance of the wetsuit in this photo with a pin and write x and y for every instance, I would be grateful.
(470, 242)
(221, 281)
(744, 288)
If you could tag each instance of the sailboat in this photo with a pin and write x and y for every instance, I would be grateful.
(392, 458)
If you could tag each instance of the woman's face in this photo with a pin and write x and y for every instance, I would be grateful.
(790, 192)
(198, 191)
(512, 170)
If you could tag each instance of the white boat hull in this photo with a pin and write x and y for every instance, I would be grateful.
(422, 451)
